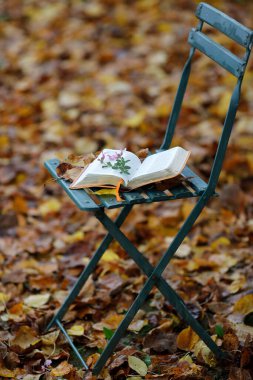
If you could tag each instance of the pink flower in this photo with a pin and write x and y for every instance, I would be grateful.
(115, 156)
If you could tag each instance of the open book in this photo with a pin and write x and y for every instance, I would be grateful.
(111, 166)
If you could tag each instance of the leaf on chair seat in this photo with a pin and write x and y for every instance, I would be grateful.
(108, 191)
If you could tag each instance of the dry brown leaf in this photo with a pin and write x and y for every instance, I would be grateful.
(64, 368)
(25, 337)
(187, 339)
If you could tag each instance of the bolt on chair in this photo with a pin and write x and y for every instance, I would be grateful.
(193, 186)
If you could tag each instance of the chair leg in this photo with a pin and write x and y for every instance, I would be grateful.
(89, 269)
(154, 278)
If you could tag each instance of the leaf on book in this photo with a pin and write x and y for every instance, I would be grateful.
(68, 171)
(142, 153)
(62, 168)
(83, 159)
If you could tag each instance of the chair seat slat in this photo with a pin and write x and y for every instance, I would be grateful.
(194, 180)
(134, 197)
(157, 195)
(181, 192)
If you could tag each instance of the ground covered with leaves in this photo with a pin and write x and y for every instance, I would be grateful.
(78, 76)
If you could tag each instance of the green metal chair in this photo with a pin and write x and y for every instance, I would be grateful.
(196, 187)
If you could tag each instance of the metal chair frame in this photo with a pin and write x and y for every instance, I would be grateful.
(194, 186)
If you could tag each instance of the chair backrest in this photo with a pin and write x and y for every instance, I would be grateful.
(225, 58)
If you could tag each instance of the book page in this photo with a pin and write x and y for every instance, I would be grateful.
(160, 166)
(101, 171)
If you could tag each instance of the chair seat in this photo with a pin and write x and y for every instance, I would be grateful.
(192, 186)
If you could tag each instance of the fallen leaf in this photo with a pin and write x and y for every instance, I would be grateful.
(7, 373)
(52, 205)
(20, 204)
(135, 120)
(137, 365)
(64, 368)
(230, 341)
(186, 358)
(110, 256)
(25, 337)
(187, 339)
(76, 330)
(160, 341)
(37, 300)
(4, 297)
(244, 305)
(204, 354)
(137, 325)
(50, 338)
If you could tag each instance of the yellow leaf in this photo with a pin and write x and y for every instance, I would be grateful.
(244, 305)
(112, 321)
(221, 106)
(50, 338)
(186, 208)
(4, 297)
(4, 141)
(204, 354)
(187, 339)
(137, 365)
(52, 205)
(164, 27)
(237, 284)
(110, 256)
(37, 300)
(162, 110)
(78, 235)
(76, 330)
(186, 358)
(134, 121)
(108, 191)
(219, 242)
(62, 369)
(4, 372)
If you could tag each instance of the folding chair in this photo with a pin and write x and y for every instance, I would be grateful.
(200, 189)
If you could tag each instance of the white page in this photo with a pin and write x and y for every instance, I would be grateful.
(155, 163)
(96, 170)
(162, 164)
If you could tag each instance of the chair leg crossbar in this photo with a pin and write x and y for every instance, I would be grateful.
(154, 278)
